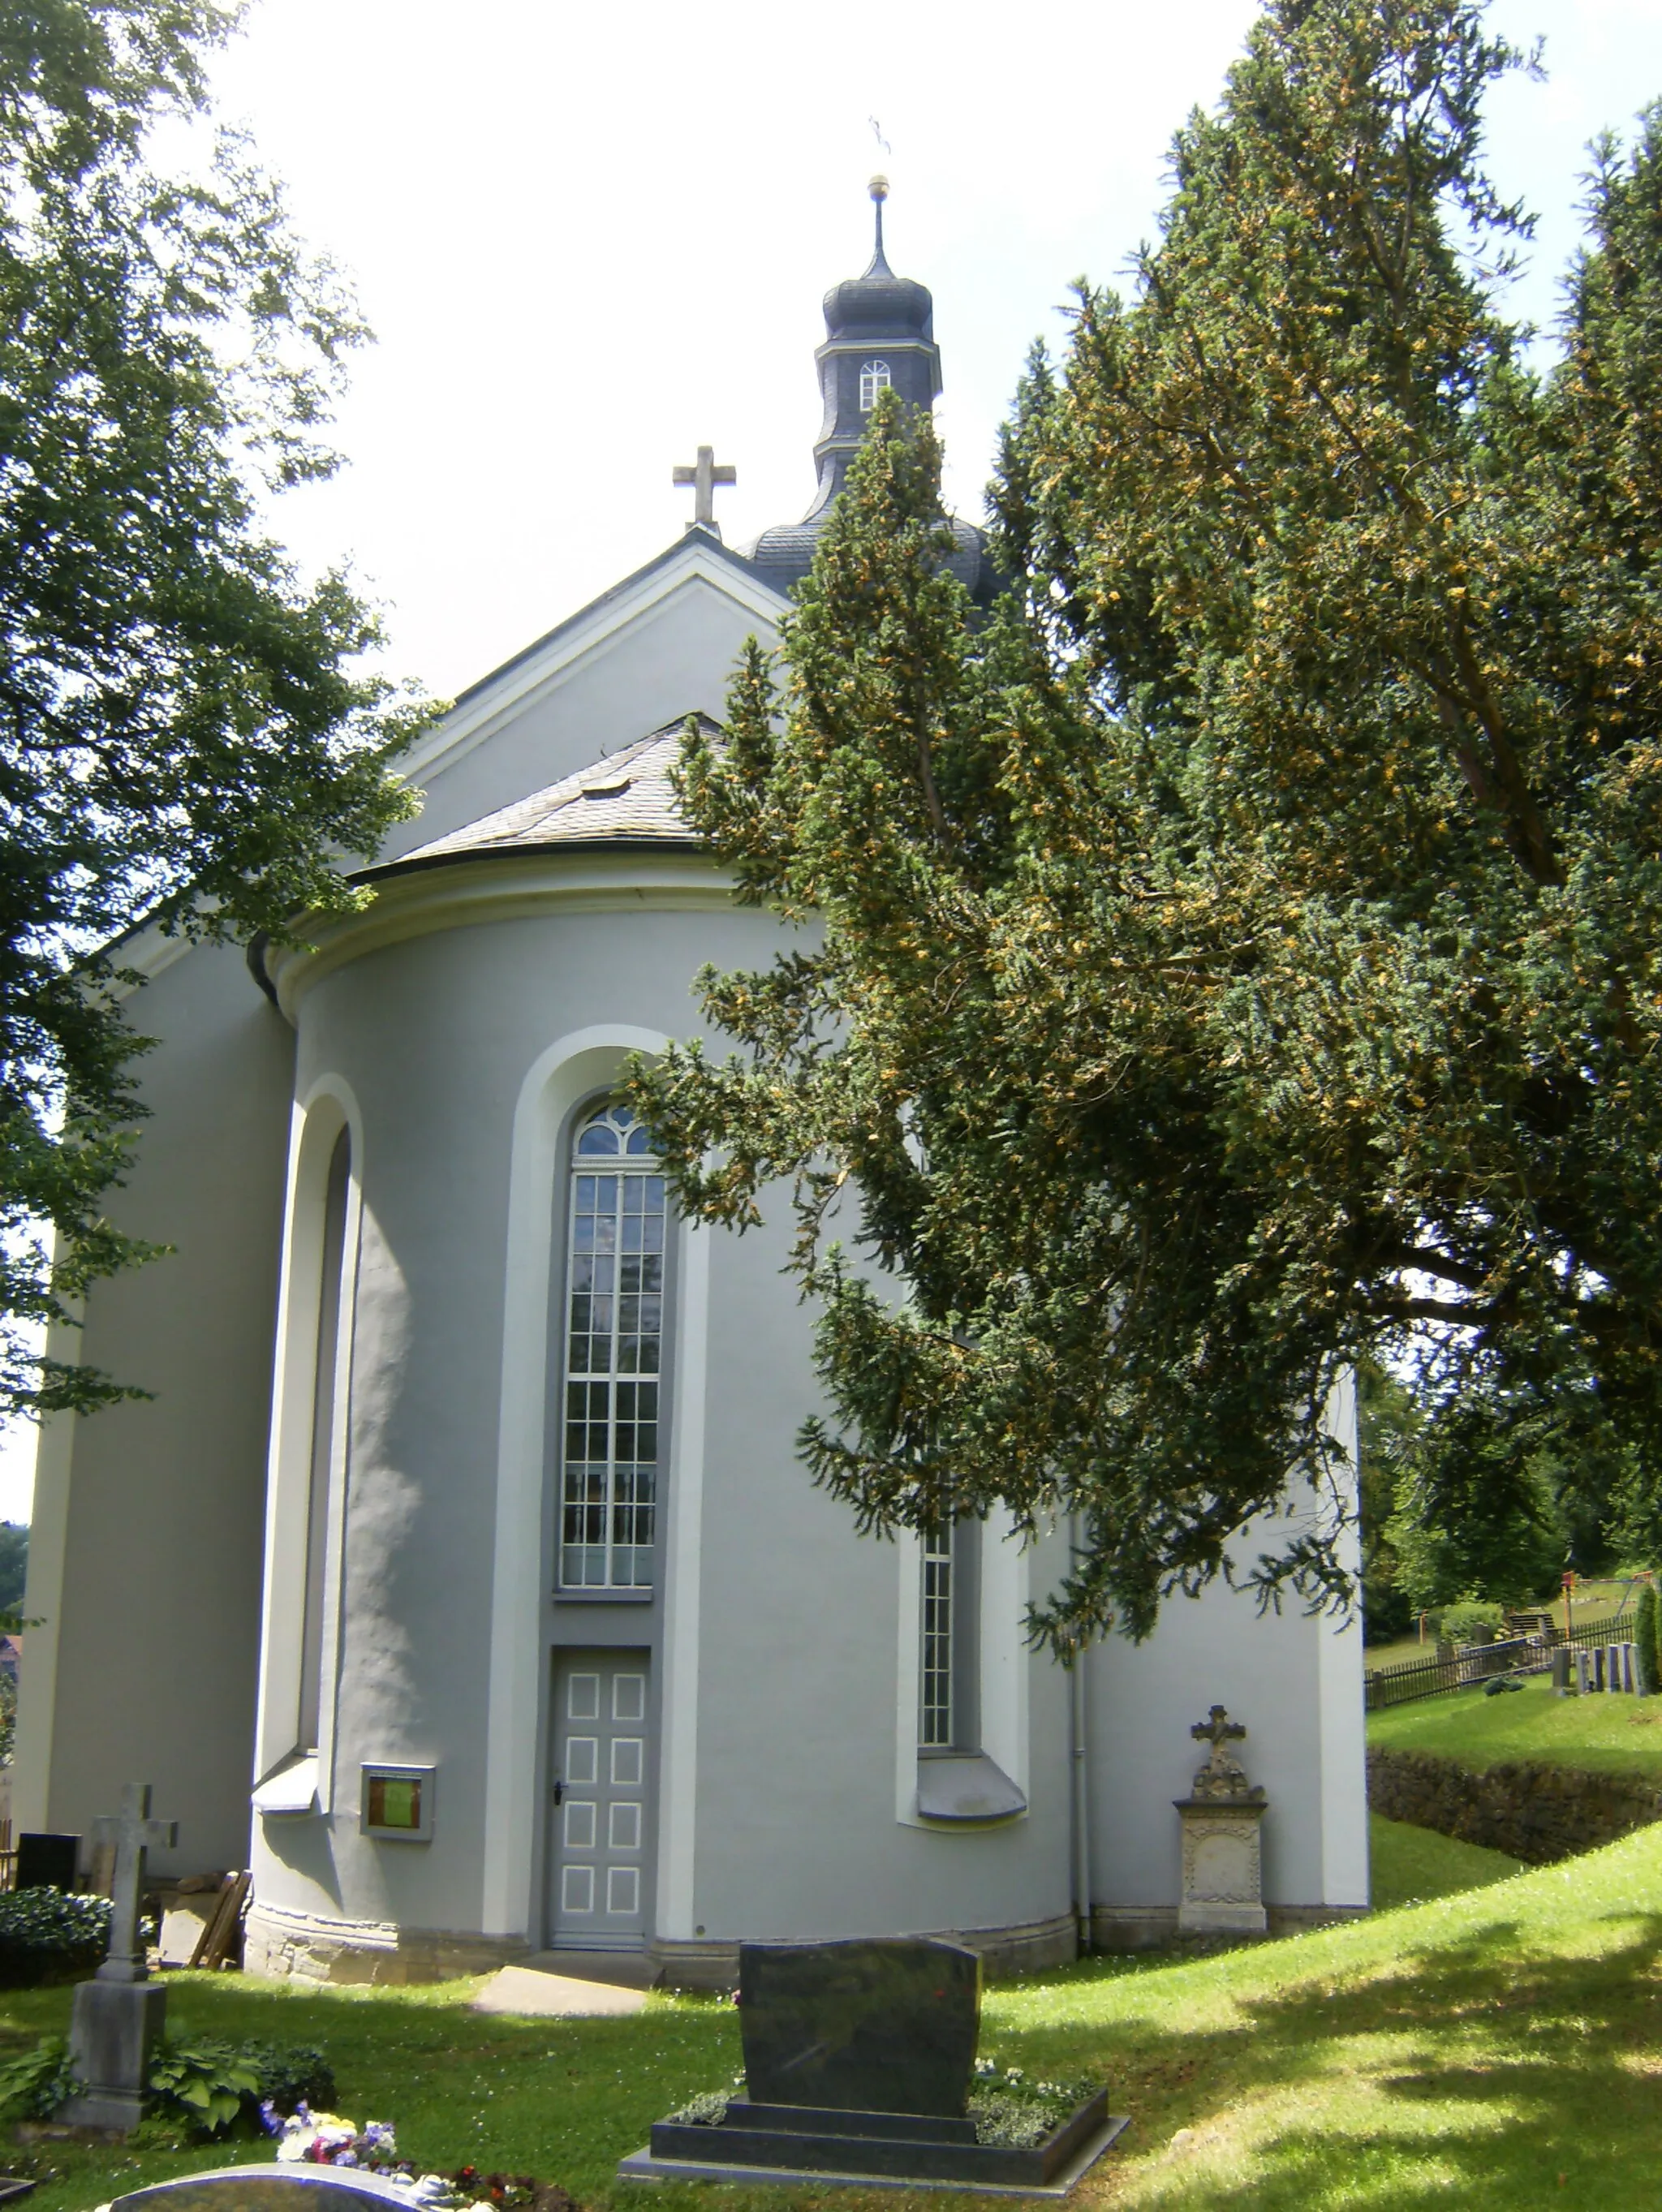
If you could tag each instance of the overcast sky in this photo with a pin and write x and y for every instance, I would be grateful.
(591, 239)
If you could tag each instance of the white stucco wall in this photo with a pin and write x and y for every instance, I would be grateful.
(148, 1578)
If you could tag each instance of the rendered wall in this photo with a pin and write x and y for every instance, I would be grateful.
(796, 1668)
(148, 1580)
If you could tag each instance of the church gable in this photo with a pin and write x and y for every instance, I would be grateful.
(661, 645)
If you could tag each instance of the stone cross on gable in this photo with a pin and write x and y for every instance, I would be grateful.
(703, 479)
(133, 1832)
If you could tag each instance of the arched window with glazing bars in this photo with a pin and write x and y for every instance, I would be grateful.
(614, 1329)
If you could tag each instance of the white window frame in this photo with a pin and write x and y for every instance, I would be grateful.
(617, 1399)
(875, 377)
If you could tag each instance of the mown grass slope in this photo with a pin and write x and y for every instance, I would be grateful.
(1618, 1733)
(1501, 2048)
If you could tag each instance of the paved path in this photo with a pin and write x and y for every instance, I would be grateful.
(532, 1990)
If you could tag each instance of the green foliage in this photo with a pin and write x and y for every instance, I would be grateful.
(1387, 1420)
(1012, 2106)
(1242, 957)
(1478, 1512)
(35, 2082)
(14, 1564)
(206, 2084)
(1647, 1659)
(183, 733)
(291, 2074)
(1467, 1621)
(50, 1934)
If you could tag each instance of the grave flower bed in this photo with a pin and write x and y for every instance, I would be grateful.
(311, 2138)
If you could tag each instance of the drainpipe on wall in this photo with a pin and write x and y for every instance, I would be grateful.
(1082, 1777)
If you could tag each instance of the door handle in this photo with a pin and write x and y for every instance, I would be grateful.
(559, 1789)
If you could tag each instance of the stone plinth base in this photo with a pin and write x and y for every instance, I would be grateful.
(1222, 1867)
(1117, 1929)
(312, 1947)
(807, 2145)
(114, 2032)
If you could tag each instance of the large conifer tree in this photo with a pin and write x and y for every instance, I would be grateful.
(1244, 956)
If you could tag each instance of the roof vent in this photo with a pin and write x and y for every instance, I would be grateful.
(615, 789)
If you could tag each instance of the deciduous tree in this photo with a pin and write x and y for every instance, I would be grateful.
(185, 733)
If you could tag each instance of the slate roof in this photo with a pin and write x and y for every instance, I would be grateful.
(624, 799)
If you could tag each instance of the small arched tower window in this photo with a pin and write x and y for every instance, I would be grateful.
(614, 1335)
(874, 377)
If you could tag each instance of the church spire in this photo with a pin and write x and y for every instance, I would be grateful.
(880, 192)
(879, 335)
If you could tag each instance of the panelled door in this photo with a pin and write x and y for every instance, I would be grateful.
(597, 1897)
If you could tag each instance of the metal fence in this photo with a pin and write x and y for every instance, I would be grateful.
(1414, 1679)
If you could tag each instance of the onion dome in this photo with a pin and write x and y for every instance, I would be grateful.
(880, 335)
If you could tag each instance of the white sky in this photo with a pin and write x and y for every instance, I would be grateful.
(591, 239)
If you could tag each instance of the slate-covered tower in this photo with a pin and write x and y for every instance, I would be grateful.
(879, 335)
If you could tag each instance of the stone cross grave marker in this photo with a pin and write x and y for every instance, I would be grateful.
(119, 2016)
(703, 479)
(133, 1832)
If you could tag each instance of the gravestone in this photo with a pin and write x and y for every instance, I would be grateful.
(45, 1861)
(1561, 1671)
(269, 2188)
(858, 2062)
(872, 2026)
(1223, 1863)
(119, 2016)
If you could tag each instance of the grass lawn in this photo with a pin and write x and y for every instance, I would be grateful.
(1412, 1865)
(1502, 2047)
(1609, 1732)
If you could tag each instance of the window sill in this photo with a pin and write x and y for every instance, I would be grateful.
(604, 1596)
(966, 1790)
(292, 1788)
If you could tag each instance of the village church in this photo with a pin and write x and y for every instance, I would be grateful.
(459, 1577)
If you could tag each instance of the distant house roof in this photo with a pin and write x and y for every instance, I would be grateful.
(625, 799)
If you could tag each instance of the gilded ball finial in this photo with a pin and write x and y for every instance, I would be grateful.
(878, 189)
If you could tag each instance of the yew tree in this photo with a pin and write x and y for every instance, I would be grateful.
(1241, 957)
(187, 734)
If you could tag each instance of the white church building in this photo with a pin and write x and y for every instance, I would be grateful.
(459, 1576)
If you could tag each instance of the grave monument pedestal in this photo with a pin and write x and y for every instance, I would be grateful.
(1222, 1859)
(114, 2032)
(119, 2016)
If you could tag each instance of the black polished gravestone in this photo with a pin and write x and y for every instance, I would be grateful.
(864, 2027)
(45, 1861)
(858, 2062)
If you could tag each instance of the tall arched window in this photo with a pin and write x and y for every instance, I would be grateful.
(614, 1334)
(324, 1399)
(874, 377)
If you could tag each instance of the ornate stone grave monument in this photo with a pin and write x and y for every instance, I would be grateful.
(118, 2018)
(1222, 1865)
(858, 2060)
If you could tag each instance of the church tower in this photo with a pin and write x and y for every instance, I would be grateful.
(879, 335)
